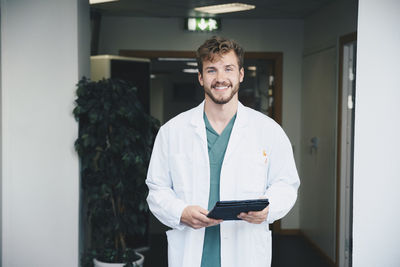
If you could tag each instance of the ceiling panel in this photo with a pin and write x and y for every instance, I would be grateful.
(266, 9)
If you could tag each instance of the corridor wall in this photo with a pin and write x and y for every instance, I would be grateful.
(254, 35)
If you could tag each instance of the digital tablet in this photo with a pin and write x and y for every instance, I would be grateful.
(229, 210)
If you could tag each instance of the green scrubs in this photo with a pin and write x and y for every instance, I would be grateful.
(216, 151)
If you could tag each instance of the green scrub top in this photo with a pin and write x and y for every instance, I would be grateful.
(216, 151)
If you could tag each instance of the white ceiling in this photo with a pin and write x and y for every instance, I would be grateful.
(265, 9)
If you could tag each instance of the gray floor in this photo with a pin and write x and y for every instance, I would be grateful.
(288, 251)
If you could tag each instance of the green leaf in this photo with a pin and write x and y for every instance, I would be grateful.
(93, 116)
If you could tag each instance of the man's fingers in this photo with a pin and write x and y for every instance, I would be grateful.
(201, 215)
(196, 217)
(203, 211)
(256, 217)
(199, 224)
(206, 221)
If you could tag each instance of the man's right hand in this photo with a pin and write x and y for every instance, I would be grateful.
(196, 217)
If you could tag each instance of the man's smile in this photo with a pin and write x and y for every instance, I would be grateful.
(221, 86)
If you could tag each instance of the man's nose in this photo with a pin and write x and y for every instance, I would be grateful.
(221, 77)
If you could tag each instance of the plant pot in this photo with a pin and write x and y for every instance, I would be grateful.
(138, 263)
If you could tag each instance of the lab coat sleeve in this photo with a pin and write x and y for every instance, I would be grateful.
(162, 200)
(283, 180)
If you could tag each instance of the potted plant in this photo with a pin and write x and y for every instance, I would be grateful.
(114, 145)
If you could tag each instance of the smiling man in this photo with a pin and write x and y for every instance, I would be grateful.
(220, 150)
(219, 89)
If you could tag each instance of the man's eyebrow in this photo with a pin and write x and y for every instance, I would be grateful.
(230, 66)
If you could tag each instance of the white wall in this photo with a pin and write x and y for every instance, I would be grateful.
(41, 51)
(254, 35)
(376, 217)
(319, 119)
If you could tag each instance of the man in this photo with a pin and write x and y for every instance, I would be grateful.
(220, 150)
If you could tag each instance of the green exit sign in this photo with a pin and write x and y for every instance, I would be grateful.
(202, 24)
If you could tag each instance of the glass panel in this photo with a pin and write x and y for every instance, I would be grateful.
(257, 90)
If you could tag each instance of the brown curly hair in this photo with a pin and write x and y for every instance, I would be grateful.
(218, 46)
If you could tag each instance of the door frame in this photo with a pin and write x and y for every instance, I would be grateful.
(343, 40)
(275, 57)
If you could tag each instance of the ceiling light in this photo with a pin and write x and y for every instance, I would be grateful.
(253, 68)
(175, 59)
(193, 64)
(92, 2)
(190, 70)
(225, 8)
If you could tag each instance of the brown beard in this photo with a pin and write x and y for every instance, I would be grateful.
(222, 101)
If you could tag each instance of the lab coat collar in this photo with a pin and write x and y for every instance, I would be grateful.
(198, 121)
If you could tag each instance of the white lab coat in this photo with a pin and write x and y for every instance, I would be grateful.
(258, 163)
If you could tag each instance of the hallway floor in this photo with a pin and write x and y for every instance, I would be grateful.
(295, 251)
(288, 251)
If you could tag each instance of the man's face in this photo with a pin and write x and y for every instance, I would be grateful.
(221, 78)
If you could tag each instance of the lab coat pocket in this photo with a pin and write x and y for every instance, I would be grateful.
(181, 173)
(253, 175)
(176, 246)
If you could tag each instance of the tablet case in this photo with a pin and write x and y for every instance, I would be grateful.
(229, 210)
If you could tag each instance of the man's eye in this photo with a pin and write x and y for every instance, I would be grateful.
(210, 71)
(229, 69)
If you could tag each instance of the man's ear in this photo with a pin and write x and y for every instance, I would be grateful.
(200, 78)
(241, 74)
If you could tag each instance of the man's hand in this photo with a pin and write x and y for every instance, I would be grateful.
(196, 217)
(256, 217)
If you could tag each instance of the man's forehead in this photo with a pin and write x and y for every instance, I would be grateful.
(226, 57)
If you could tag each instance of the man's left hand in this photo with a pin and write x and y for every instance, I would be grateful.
(256, 217)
